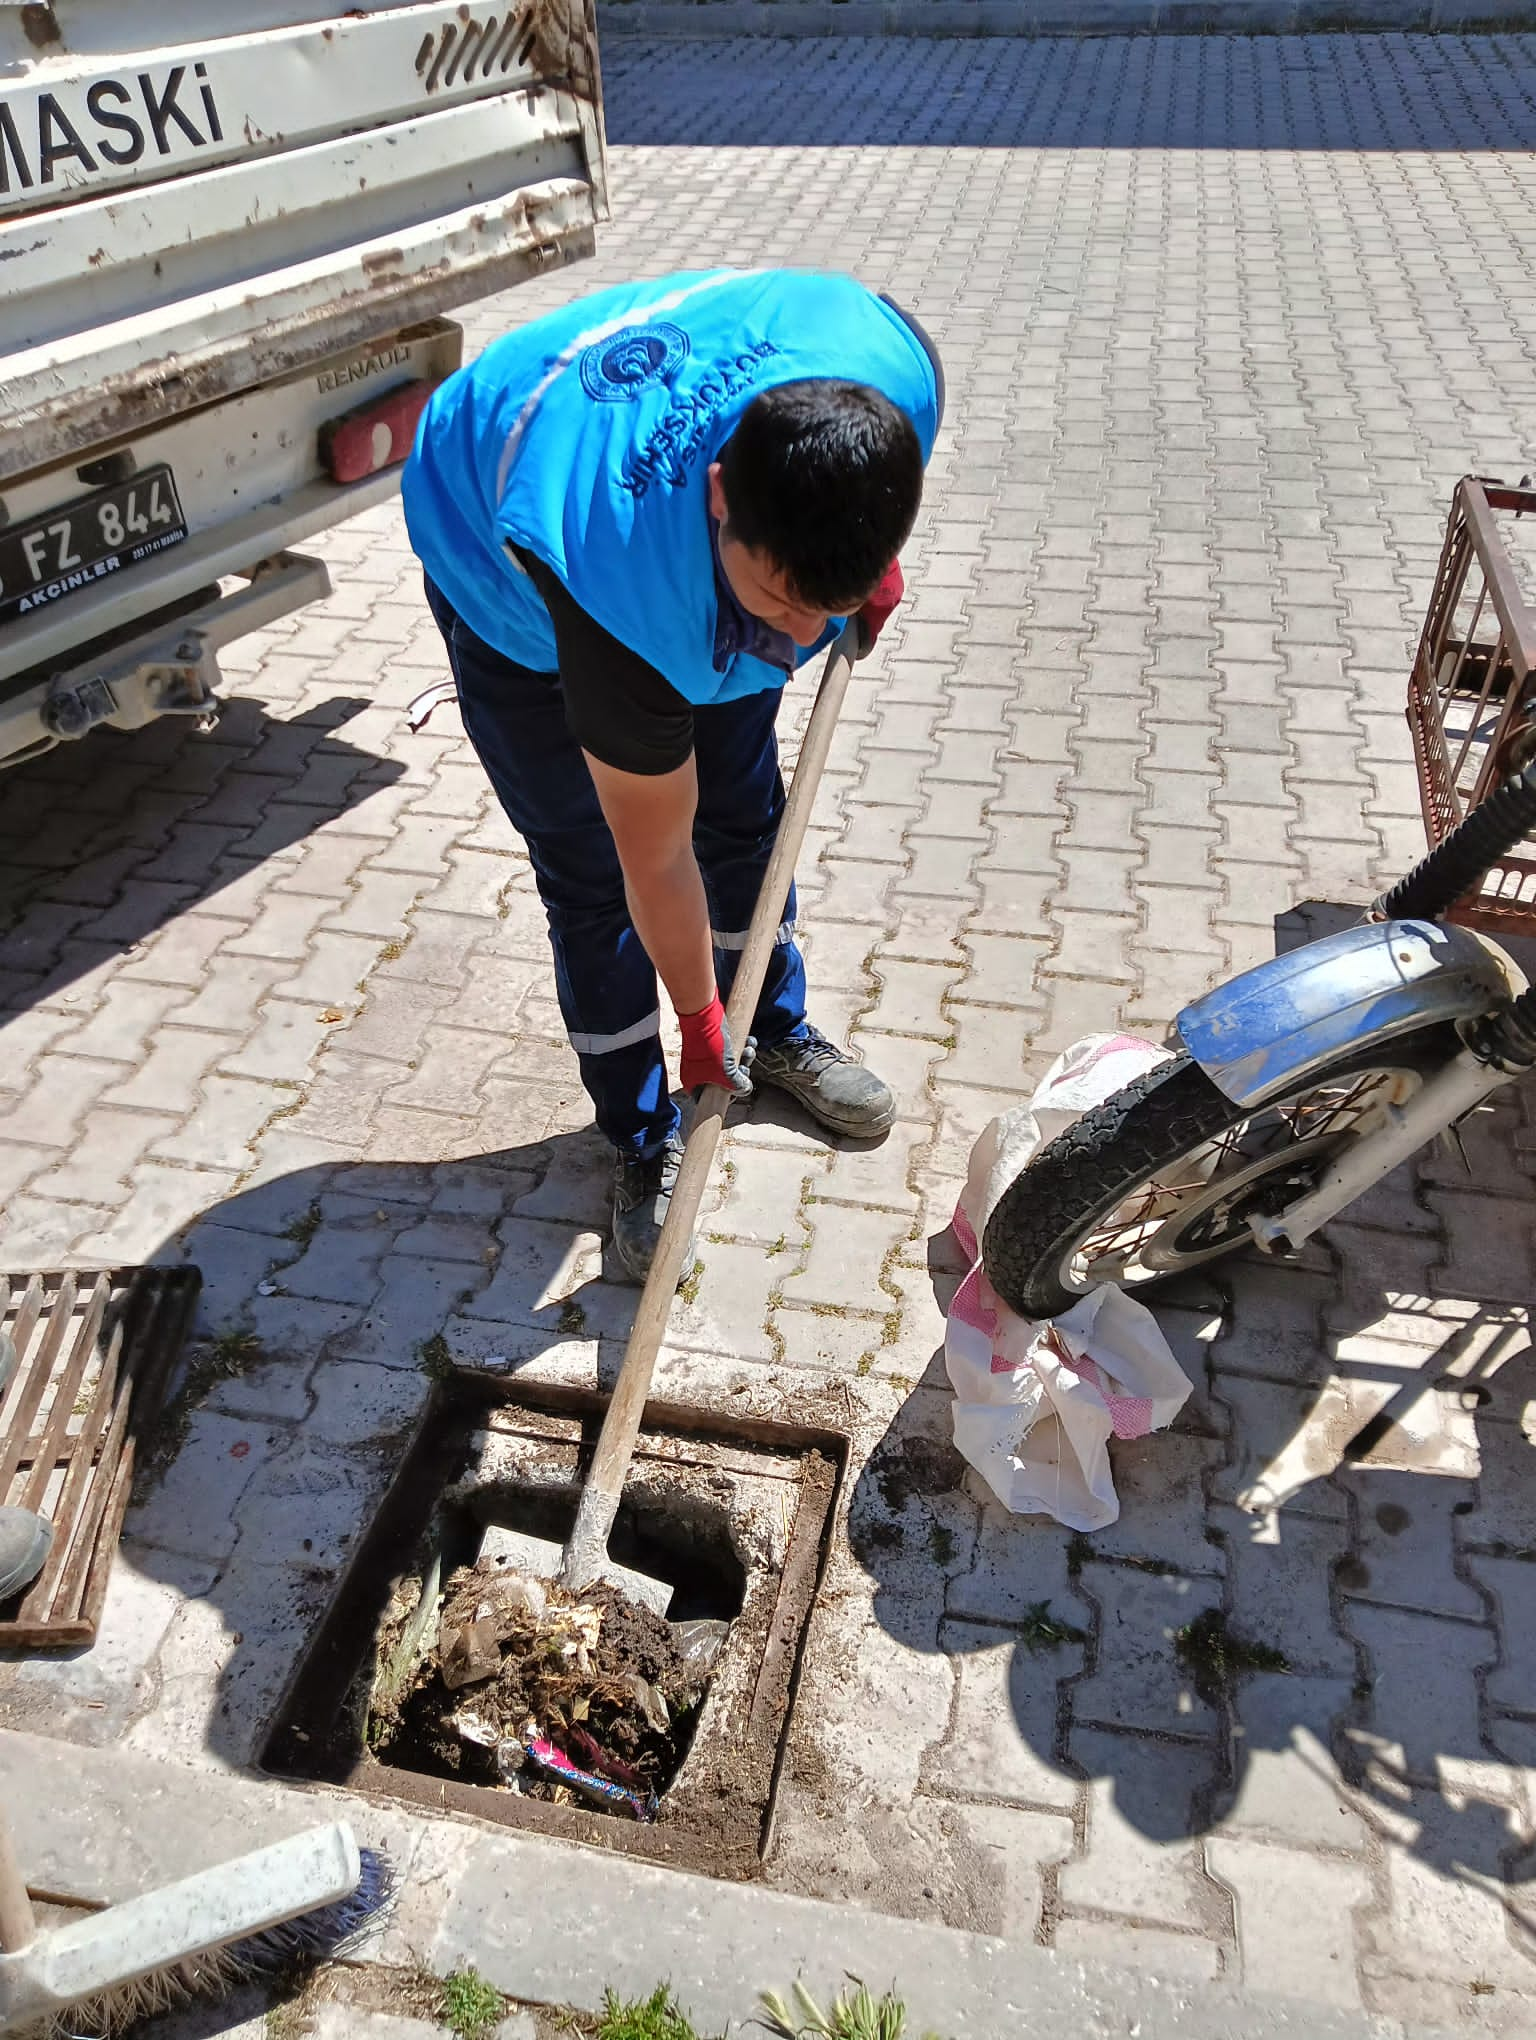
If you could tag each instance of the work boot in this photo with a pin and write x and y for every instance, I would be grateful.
(25, 1541)
(832, 1087)
(642, 1192)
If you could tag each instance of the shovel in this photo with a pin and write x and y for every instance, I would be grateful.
(584, 1557)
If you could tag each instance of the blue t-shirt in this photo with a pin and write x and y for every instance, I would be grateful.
(586, 438)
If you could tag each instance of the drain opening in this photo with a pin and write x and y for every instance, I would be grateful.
(735, 1517)
(489, 1676)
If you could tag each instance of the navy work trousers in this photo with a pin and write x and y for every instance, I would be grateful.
(515, 719)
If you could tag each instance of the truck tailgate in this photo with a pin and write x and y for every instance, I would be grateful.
(195, 199)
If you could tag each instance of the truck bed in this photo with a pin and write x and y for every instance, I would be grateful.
(195, 200)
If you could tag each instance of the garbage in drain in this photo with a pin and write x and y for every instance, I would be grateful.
(559, 1696)
(739, 1526)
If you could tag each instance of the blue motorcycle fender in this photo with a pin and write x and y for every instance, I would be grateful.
(1261, 1033)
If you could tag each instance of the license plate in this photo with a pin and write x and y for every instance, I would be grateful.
(57, 554)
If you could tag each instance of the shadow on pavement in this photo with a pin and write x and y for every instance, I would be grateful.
(1380, 1724)
(1333, 92)
(324, 1289)
(1352, 1483)
(116, 835)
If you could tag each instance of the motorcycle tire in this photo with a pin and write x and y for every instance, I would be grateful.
(1032, 1248)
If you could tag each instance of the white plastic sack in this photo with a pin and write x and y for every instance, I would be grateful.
(1037, 1403)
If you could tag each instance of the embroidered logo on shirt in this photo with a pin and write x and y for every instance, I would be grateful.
(616, 370)
(678, 438)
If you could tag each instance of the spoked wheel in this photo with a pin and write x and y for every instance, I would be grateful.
(1168, 1173)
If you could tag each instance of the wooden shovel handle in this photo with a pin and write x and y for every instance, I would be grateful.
(621, 1424)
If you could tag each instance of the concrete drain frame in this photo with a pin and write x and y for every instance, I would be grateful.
(738, 1512)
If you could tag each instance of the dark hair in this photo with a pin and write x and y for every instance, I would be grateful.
(825, 478)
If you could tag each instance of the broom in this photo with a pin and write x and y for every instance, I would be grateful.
(258, 1919)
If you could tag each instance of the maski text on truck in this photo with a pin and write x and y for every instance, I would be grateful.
(119, 121)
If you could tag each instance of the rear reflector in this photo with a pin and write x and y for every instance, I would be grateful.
(378, 435)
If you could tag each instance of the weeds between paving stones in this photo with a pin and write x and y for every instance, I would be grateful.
(434, 1357)
(221, 1359)
(658, 2017)
(1217, 1658)
(305, 1226)
(520, 1665)
(852, 2015)
(1040, 1630)
(470, 2005)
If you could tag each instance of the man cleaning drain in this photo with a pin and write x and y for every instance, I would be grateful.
(637, 516)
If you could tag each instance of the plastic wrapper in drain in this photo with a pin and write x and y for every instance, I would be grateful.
(701, 1642)
(556, 1764)
(1037, 1403)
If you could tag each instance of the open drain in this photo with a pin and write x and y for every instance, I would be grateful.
(496, 1678)
(439, 1677)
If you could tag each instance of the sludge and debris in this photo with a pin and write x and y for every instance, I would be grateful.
(548, 1693)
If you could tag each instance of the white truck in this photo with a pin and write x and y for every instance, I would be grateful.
(229, 230)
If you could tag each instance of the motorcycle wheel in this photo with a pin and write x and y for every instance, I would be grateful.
(1165, 1175)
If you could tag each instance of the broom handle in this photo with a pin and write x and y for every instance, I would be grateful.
(588, 1545)
(17, 1922)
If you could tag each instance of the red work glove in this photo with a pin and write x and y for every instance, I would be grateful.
(708, 1055)
(873, 616)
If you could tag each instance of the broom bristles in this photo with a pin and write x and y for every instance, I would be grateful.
(275, 1955)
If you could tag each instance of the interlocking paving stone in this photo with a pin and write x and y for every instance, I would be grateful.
(1224, 318)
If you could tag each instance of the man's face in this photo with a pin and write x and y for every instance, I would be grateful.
(758, 583)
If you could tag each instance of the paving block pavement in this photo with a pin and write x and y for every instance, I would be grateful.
(1223, 320)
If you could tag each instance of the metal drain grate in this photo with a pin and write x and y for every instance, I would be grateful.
(88, 1358)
